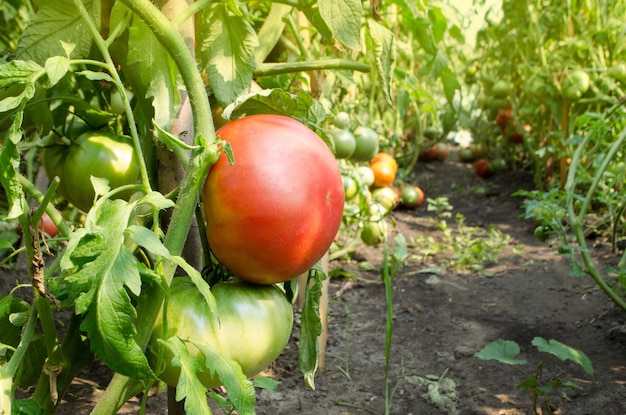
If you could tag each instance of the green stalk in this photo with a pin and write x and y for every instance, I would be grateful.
(199, 164)
(278, 68)
(389, 326)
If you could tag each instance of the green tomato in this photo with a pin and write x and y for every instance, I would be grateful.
(542, 233)
(618, 72)
(373, 232)
(255, 323)
(366, 144)
(350, 187)
(367, 175)
(94, 153)
(342, 120)
(575, 85)
(386, 197)
(501, 89)
(497, 164)
(345, 143)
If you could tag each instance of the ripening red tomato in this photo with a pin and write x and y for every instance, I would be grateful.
(272, 214)
(481, 166)
(46, 225)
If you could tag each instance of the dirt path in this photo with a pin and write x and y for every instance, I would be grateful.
(441, 318)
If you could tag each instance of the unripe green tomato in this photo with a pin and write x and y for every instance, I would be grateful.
(366, 144)
(387, 197)
(344, 142)
(618, 72)
(373, 232)
(342, 120)
(575, 85)
(255, 323)
(367, 175)
(350, 187)
(501, 89)
(94, 153)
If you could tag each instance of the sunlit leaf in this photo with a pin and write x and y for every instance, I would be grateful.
(504, 351)
(384, 46)
(343, 17)
(227, 43)
(56, 22)
(563, 352)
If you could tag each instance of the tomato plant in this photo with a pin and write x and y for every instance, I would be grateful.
(254, 326)
(273, 217)
(94, 153)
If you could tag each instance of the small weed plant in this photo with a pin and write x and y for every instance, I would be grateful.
(461, 247)
(507, 351)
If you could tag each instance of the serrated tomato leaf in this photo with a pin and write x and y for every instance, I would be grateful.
(226, 45)
(384, 48)
(189, 386)
(343, 17)
(57, 22)
(100, 274)
(240, 389)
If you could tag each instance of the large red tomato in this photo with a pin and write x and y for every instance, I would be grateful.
(272, 214)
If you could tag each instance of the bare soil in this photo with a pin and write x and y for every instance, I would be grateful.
(440, 319)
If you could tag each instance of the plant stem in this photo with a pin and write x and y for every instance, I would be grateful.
(269, 69)
(202, 159)
(389, 326)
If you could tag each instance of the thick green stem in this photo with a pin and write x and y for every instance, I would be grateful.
(200, 162)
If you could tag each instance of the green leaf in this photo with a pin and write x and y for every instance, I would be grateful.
(189, 386)
(563, 352)
(145, 238)
(450, 85)
(56, 22)
(421, 26)
(267, 101)
(226, 46)
(100, 272)
(240, 389)
(157, 200)
(311, 327)
(56, 68)
(343, 17)
(503, 351)
(157, 71)
(96, 76)
(384, 45)
(9, 166)
(171, 141)
(18, 72)
(202, 286)
(263, 382)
